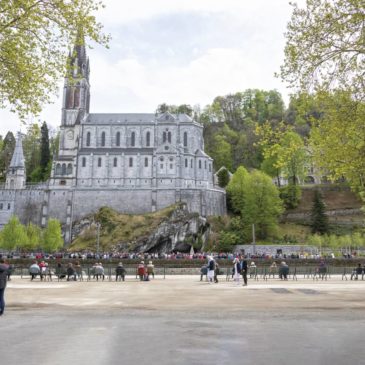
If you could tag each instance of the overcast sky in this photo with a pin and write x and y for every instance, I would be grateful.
(179, 52)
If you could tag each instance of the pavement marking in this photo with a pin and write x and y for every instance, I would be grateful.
(281, 291)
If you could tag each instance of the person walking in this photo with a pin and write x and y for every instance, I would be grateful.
(236, 270)
(150, 270)
(211, 268)
(243, 263)
(3, 280)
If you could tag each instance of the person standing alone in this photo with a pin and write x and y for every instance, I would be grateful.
(3, 280)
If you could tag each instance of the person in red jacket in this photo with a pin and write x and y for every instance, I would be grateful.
(141, 270)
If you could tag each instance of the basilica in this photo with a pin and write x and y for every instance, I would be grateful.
(134, 163)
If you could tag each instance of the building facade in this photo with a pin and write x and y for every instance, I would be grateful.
(134, 163)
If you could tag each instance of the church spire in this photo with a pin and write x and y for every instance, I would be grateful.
(15, 178)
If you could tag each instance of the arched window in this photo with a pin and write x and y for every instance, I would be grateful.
(185, 139)
(131, 161)
(148, 139)
(69, 169)
(99, 162)
(191, 163)
(1, 206)
(58, 169)
(200, 164)
(186, 162)
(88, 139)
(205, 164)
(117, 139)
(103, 139)
(133, 139)
(164, 137)
(146, 162)
(210, 167)
(83, 161)
(77, 98)
(63, 169)
(115, 162)
(169, 137)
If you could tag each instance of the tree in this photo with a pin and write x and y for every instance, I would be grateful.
(222, 153)
(45, 153)
(34, 237)
(337, 138)
(35, 36)
(325, 46)
(13, 235)
(284, 149)
(319, 220)
(262, 205)
(236, 189)
(6, 154)
(52, 236)
(256, 199)
(223, 178)
(31, 149)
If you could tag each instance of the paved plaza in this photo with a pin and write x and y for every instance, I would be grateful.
(181, 320)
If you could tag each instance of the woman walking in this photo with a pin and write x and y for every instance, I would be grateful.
(236, 271)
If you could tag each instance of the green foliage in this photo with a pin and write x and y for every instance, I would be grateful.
(223, 178)
(52, 236)
(6, 154)
(256, 199)
(31, 149)
(34, 237)
(45, 152)
(290, 194)
(325, 46)
(35, 36)
(226, 241)
(319, 220)
(13, 235)
(175, 109)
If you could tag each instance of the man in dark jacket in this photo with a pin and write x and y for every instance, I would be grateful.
(243, 263)
(3, 280)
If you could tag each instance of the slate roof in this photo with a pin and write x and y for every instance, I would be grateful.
(18, 157)
(119, 118)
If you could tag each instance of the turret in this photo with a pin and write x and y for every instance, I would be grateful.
(15, 177)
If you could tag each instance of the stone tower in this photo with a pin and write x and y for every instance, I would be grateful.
(15, 177)
(75, 108)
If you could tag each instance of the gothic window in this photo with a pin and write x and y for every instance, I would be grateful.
(200, 164)
(117, 139)
(133, 139)
(115, 162)
(169, 137)
(1, 206)
(58, 169)
(146, 162)
(99, 162)
(164, 137)
(171, 166)
(131, 161)
(83, 161)
(70, 99)
(88, 138)
(191, 163)
(9, 206)
(186, 162)
(69, 169)
(185, 139)
(103, 139)
(205, 164)
(77, 97)
(63, 169)
(148, 139)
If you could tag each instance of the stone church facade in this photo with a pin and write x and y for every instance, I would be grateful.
(134, 163)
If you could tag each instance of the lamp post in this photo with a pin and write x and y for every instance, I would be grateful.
(253, 239)
(97, 237)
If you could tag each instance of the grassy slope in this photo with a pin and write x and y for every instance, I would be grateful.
(117, 228)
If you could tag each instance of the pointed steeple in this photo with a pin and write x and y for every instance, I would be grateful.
(18, 156)
(15, 178)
